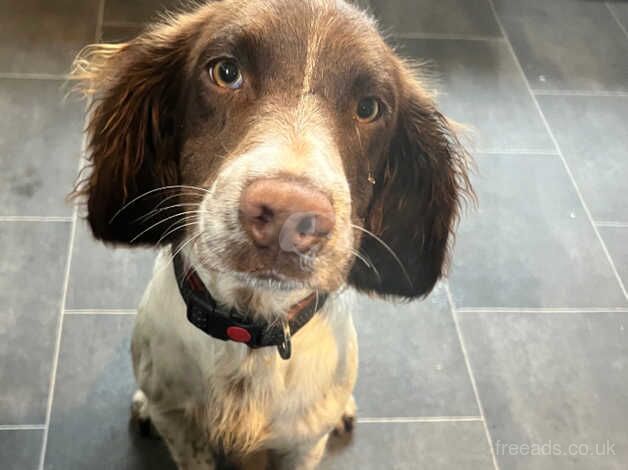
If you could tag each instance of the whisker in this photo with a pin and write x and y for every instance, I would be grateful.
(369, 264)
(389, 249)
(212, 251)
(182, 247)
(370, 261)
(316, 301)
(154, 212)
(171, 259)
(181, 226)
(152, 191)
(162, 221)
(181, 194)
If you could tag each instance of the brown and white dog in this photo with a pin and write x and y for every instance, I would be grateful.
(282, 149)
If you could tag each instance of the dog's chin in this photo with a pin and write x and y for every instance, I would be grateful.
(286, 273)
(265, 279)
(270, 280)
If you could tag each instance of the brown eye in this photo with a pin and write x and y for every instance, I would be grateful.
(226, 74)
(368, 110)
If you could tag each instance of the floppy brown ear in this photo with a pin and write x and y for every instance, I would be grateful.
(133, 145)
(417, 196)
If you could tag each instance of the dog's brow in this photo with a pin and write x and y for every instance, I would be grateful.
(231, 40)
(315, 39)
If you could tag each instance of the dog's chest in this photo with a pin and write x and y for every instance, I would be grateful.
(272, 402)
(246, 400)
(243, 399)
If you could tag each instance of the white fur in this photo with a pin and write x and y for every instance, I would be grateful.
(202, 394)
(282, 152)
(201, 391)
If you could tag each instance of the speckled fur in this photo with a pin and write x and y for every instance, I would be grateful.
(206, 396)
(161, 133)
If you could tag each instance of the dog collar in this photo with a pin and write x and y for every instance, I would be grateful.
(232, 325)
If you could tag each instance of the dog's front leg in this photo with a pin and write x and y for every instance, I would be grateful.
(188, 446)
(302, 457)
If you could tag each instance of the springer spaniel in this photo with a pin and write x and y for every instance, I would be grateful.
(283, 157)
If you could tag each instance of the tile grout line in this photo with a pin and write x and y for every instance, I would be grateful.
(57, 347)
(73, 220)
(611, 224)
(97, 311)
(540, 311)
(66, 282)
(425, 419)
(123, 24)
(446, 37)
(509, 153)
(100, 19)
(560, 153)
(19, 218)
(33, 76)
(22, 427)
(474, 386)
(613, 13)
(583, 93)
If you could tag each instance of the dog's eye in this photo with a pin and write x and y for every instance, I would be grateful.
(226, 74)
(368, 110)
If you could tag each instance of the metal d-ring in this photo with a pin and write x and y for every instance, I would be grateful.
(285, 347)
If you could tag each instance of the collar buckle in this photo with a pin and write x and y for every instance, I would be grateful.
(285, 347)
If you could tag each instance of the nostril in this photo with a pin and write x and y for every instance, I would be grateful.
(259, 219)
(284, 213)
(307, 225)
(266, 215)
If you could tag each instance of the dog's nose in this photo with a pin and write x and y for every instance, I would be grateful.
(288, 213)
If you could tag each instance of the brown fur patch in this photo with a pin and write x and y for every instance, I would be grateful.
(158, 122)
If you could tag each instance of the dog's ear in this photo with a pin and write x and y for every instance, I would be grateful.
(418, 192)
(132, 136)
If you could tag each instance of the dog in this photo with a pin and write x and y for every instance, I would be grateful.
(283, 158)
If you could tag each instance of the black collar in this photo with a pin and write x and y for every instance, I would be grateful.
(231, 325)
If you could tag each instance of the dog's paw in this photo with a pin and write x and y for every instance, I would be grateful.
(139, 406)
(345, 426)
(347, 422)
(140, 417)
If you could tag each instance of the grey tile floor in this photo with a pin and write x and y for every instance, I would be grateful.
(519, 361)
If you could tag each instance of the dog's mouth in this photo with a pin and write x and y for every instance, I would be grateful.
(269, 279)
(273, 263)
(267, 267)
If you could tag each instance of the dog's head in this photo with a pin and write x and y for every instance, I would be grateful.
(280, 141)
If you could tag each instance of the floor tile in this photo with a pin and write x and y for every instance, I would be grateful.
(458, 17)
(530, 243)
(39, 148)
(20, 450)
(482, 87)
(411, 364)
(620, 10)
(42, 36)
(31, 287)
(411, 446)
(117, 34)
(593, 137)
(102, 277)
(127, 12)
(137, 11)
(364, 4)
(616, 239)
(567, 44)
(558, 379)
(90, 416)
